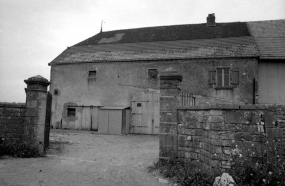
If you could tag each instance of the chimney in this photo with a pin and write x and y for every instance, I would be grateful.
(211, 20)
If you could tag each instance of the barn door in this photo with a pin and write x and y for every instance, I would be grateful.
(145, 113)
(94, 118)
(87, 118)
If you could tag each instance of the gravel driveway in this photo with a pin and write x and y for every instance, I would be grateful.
(86, 158)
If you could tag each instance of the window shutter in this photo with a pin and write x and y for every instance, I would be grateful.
(234, 77)
(212, 77)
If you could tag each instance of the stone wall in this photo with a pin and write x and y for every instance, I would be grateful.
(210, 133)
(12, 117)
(28, 123)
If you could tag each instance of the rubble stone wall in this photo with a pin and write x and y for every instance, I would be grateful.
(12, 118)
(209, 134)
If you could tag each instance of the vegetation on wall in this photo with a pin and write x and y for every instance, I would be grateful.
(256, 166)
(21, 150)
(259, 166)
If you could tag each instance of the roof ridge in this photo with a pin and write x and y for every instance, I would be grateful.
(169, 26)
(271, 20)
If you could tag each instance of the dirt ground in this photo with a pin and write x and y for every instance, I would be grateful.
(86, 158)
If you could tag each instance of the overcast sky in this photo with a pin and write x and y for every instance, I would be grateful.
(34, 32)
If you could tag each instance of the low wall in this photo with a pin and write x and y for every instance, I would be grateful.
(12, 118)
(210, 133)
(28, 123)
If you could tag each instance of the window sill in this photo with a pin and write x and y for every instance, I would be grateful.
(225, 88)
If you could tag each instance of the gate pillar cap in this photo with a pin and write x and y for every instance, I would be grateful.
(37, 80)
(37, 83)
(170, 74)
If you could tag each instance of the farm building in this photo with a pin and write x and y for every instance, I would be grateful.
(117, 72)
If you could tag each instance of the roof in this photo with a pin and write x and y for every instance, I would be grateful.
(161, 43)
(183, 49)
(169, 33)
(270, 38)
(249, 50)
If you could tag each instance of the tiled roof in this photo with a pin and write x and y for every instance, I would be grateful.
(271, 48)
(270, 38)
(165, 42)
(158, 46)
(169, 33)
(161, 54)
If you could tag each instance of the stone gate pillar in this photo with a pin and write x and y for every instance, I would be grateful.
(170, 80)
(36, 98)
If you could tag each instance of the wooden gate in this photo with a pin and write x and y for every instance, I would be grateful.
(145, 113)
(47, 121)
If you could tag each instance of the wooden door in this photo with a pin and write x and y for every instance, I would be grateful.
(86, 118)
(145, 113)
(103, 121)
(94, 118)
(115, 122)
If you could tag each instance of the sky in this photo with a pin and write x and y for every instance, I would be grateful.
(34, 32)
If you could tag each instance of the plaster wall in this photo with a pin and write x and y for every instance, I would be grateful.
(116, 82)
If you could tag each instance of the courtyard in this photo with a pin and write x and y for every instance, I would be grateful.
(86, 158)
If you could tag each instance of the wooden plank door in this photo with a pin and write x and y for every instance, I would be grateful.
(136, 114)
(94, 118)
(145, 113)
(86, 118)
(103, 121)
(115, 122)
(155, 113)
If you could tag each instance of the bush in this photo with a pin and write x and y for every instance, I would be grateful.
(253, 171)
(188, 173)
(253, 168)
(18, 150)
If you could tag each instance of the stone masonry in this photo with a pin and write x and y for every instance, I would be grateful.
(12, 121)
(210, 133)
(28, 123)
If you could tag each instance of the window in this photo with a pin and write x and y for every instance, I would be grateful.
(139, 104)
(152, 73)
(71, 112)
(56, 92)
(223, 77)
(92, 74)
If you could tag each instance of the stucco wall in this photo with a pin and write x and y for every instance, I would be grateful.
(116, 82)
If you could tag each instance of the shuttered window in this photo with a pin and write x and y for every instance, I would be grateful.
(212, 77)
(223, 77)
(234, 77)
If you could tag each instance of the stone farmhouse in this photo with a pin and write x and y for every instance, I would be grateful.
(114, 76)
